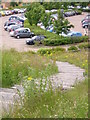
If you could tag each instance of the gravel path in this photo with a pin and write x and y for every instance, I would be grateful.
(68, 76)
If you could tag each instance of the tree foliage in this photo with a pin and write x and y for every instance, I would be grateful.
(61, 24)
(34, 13)
(13, 4)
(45, 19)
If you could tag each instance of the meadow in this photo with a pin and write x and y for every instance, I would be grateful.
(38, 103)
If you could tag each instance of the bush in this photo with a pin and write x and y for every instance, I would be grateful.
(73, 48)
(84, 46)
(65, 40)
(43, 51)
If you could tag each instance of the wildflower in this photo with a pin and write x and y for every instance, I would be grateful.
(66, 56)
(47, 52)
(86, 61)
(29, 78)
(51, 54)
(83, 64)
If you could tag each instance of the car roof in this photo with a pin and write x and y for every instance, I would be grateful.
(22, 28)
(14, 25)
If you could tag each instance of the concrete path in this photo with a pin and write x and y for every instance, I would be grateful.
(67, 77)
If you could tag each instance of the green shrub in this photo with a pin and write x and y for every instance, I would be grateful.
(84, 46)
(73, 48)
(65, 40)
(43, 51)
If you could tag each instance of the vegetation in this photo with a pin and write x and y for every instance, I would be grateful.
(62, 24)
(65, 40)
(38, 31)
(85, 45)
(73, 48)
(39, 103)
(46, 19)
(28, 67)
(13, 4)
(53, 39)
(43, 51)
(16, 66)
(34, 13)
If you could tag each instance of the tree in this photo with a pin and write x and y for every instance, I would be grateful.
(45, 19)
(34, 13)
(62, 24)
(13, 4)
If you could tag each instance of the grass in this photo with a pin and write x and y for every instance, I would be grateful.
(79, 58)
(16, 66)
(55, 104)
(38, 31)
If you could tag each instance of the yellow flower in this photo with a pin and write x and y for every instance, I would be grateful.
(51, 54)
(29, 78)
(47, 52)
(83, 64)
(66, 56)
(86, 61)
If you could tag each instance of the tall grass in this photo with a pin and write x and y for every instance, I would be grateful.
(48, 103)
(16, 66)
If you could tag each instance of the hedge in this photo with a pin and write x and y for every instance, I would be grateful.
(65, 40)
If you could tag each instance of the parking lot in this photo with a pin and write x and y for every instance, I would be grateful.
(8, 42)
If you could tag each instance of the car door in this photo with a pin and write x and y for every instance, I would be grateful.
(25, 33)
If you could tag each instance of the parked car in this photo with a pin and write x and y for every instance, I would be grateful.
(21, 11)
(23, 16)
(16, 18)
(86, 24)
(13, 27)
(31, 41)
(16, 11)
(7, 24)
(8, 12)
(2, 13)
(23, 33)
(71, 34)
(86, 18)
(78, 7)
(50, 28)
(12, 12)
(70, 13)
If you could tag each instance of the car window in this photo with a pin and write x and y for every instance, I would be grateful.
(25, 31)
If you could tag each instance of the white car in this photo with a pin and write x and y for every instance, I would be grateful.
(12, 33)
(53, 10)
(7, 12)
(47, 11)
(78, 7)
(21, 11)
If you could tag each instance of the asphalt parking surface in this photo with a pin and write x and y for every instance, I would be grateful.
(7, 42)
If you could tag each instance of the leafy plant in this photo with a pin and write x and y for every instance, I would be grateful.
(62, 24)
(73, 48)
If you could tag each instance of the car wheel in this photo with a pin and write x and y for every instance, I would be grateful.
(18, 37)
